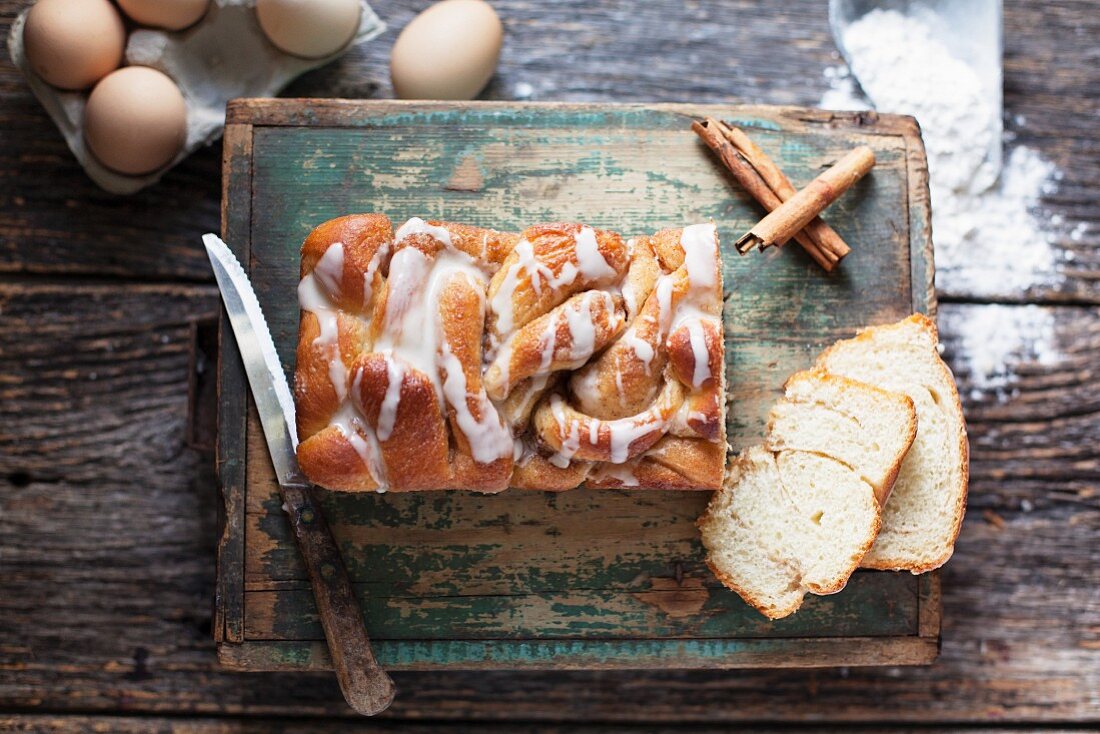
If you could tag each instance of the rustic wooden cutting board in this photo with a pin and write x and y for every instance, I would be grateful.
(583, 579)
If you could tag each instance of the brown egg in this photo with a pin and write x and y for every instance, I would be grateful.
(311, 29)
(72, 44)
(135, 121)
(173, 15)
(447, 52)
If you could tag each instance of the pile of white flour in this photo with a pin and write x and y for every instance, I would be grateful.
(988, 235)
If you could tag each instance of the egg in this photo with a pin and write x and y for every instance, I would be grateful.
(172, 15)
(135, 121)
(449, 51)
(72, 44)
(311, 29)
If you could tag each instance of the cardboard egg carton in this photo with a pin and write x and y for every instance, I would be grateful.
(224, 56)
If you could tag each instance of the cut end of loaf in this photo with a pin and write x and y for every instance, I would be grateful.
(923, 516)
(785, 524)
(868, 429)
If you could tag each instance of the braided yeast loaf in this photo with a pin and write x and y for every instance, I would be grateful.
(448, 356)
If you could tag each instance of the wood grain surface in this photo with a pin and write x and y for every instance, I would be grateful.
(107, 554)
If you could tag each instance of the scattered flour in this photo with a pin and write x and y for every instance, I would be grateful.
(843, 92)
(989, 236)
(523, 90)
(995, 340)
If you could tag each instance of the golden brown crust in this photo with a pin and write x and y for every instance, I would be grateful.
(666, 247)
(563, 428)
(681, 355)
(547, 344)
(554, 248)
(536, 472)
(673, 463)
(362, 236)
(462, 320)
(641, 275)
(415, 449)
(329, 460)
(487, 245)
(626, 377)
(359, 332)
(365, 240)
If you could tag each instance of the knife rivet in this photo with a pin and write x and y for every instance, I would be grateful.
(307, 516)
(328, 570)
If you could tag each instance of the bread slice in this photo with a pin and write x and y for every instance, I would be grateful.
(922, 517)
(867, 429)
(798, 514)
(786, 524)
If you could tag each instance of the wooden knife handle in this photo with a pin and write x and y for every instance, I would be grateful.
(366, 687)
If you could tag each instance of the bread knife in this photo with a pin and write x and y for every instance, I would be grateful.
(366, 686)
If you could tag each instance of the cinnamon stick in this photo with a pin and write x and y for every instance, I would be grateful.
(795, 213)
(824, 236)
(710, 131)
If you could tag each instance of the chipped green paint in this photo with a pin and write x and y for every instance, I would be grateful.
(755, 123)
(582, 613)
(527, 579)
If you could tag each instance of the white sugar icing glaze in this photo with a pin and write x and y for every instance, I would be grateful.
(330, 270)
(582, 330)
(316, 299)
(699, 353)
(587, 261)
(387, 412)
(590, 262)
(620, 391)
(625, 432)
(700, 244)
(317, 294)
(416, 225)
(488, 437)
(412, 335)
(642, 349)
(549, 343)
(382, 253)
(622, 433)
(571, 440)
(501, 303)
(624, 473)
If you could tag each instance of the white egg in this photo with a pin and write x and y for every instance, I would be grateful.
(72, 44)
(135, 121)
(447, 52)
(311, 29)
(173, 15)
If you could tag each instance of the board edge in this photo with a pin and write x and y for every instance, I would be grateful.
(230, 467)
(236, 653)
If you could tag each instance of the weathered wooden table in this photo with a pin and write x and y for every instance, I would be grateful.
(109, 519)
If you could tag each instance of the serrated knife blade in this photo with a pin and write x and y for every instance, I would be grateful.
(261, 362)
